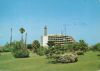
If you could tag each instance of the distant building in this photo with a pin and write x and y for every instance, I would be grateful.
(57, 39)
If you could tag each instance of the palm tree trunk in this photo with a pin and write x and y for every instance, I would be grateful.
(22, 38)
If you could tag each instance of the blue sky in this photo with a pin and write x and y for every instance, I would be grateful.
(82, 18)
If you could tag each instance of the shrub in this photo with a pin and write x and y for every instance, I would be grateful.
(98, 54)
(41, 51)
(6, 48)
(52, 51)
(80, 52)
(96, 47)
(19, 50)
(1, 49)
(67, 58)
(58, 54)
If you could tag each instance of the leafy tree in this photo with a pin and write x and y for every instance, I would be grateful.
(35, 45)
(41, 51)
(83, 45)
(22, 30)
(50, 43)
(96, 47)
(54, 51)
(29, 46)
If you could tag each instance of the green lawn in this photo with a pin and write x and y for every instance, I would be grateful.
(89, 62)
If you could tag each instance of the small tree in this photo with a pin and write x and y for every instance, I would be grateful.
(35, 45)
(83, 45)
(22, 30)
(29, 46)
(96, 47)
(50, 43)
(55, 51)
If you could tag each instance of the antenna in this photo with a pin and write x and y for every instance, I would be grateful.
(11, 37)
(65, 29)
(26, 39)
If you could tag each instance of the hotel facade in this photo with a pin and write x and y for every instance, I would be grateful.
(56, 38)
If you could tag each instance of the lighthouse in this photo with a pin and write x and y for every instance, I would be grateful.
(45, 31)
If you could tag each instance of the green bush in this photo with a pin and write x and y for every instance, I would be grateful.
(5, 49)
(98, 54)
(1, 49)
(66, 58)
(52, 51)
(41, 51)
(80, 52)
(19, 50)
(96, 47)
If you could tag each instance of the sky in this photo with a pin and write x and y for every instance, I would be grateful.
(81, 18)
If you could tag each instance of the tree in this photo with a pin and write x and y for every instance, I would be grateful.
(96, 47)
(50, 43)
(83, 45)
(22, 30)
(35, 45)
(76, 47)
(29, 46)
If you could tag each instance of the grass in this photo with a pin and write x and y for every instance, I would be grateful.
(88, 62)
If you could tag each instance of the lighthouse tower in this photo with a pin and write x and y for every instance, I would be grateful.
(45, 31)
(45, 37)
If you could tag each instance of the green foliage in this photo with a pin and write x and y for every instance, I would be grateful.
(78, 46)
(1, 49)
(58, 54)
(96, 47)
(41, 51)
(54, 51)
(19, 50)
(80, 52)
(50, 43)
(29, 46)
(6, 48)
(22, 30)
(35, 45)
(83, 45)
(67, 58)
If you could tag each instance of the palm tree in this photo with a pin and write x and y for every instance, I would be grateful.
(22, 30)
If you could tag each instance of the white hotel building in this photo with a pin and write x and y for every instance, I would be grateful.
(57, 39)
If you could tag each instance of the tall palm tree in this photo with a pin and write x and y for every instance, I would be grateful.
(22, 30)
